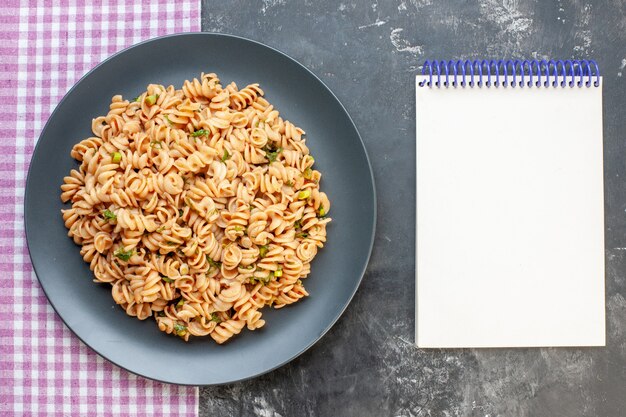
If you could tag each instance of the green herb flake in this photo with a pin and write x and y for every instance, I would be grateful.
(308, 173)
(304, 194)
(167, 279)
(226, 155)
(263, 280)
(109, 215)
(263, 251)
(289, 183)
(200, 132)
(213, 263)
(160, 229)
(170, 243)
(169, 121)
(216, 318)
(160, 313)
(116, 157)
(122, 254)
(278, 272)
(180, 212)
(302, 235)
(156, 144)
(136, 99)
(180, 303)
(321, 212)
(180, 329)
(152, 99)
(272, 155)
(298, 224)
(238, 229)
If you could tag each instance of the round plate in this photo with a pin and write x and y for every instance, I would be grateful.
(138, 346)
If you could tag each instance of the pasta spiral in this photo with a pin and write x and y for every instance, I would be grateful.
(198, 206)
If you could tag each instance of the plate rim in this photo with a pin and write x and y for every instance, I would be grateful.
(340, 312)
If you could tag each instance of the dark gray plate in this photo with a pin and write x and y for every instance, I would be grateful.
(88, 309)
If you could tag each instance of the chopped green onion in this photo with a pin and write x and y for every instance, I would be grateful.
(226, 155)
(168, 120)
(180, 212)
(180, 329)
(250, 267)
(238, 229)
(307, 173)
(289, 183)
(200, 132)
(180, 302)
(116, 157)
(321, 211)
(278, 272)
(152, 99)
(304, 194)
(136, 98)
(298, 224)
(109, 215)
(167, 279)
(122, 254)
(264, 280)
(156, 144)
(160, 229)
(302, 235)
(272, 155)
(216, 318)
(263, 251)
(213, 263)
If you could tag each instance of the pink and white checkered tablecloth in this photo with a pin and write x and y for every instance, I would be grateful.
(45, 47)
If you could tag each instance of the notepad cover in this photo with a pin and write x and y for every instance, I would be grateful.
(510, 217)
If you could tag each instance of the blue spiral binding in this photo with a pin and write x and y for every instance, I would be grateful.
(511, 73)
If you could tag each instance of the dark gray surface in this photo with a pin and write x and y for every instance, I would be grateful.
(140, 347)
(367, 53)
(367, 365)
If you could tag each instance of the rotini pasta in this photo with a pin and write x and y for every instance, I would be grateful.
(199, 206)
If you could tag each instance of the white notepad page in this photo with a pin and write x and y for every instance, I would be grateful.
(510, 217)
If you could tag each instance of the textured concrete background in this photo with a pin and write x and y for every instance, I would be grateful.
(368, 53)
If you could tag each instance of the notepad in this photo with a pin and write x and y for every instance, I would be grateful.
(510, 209)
